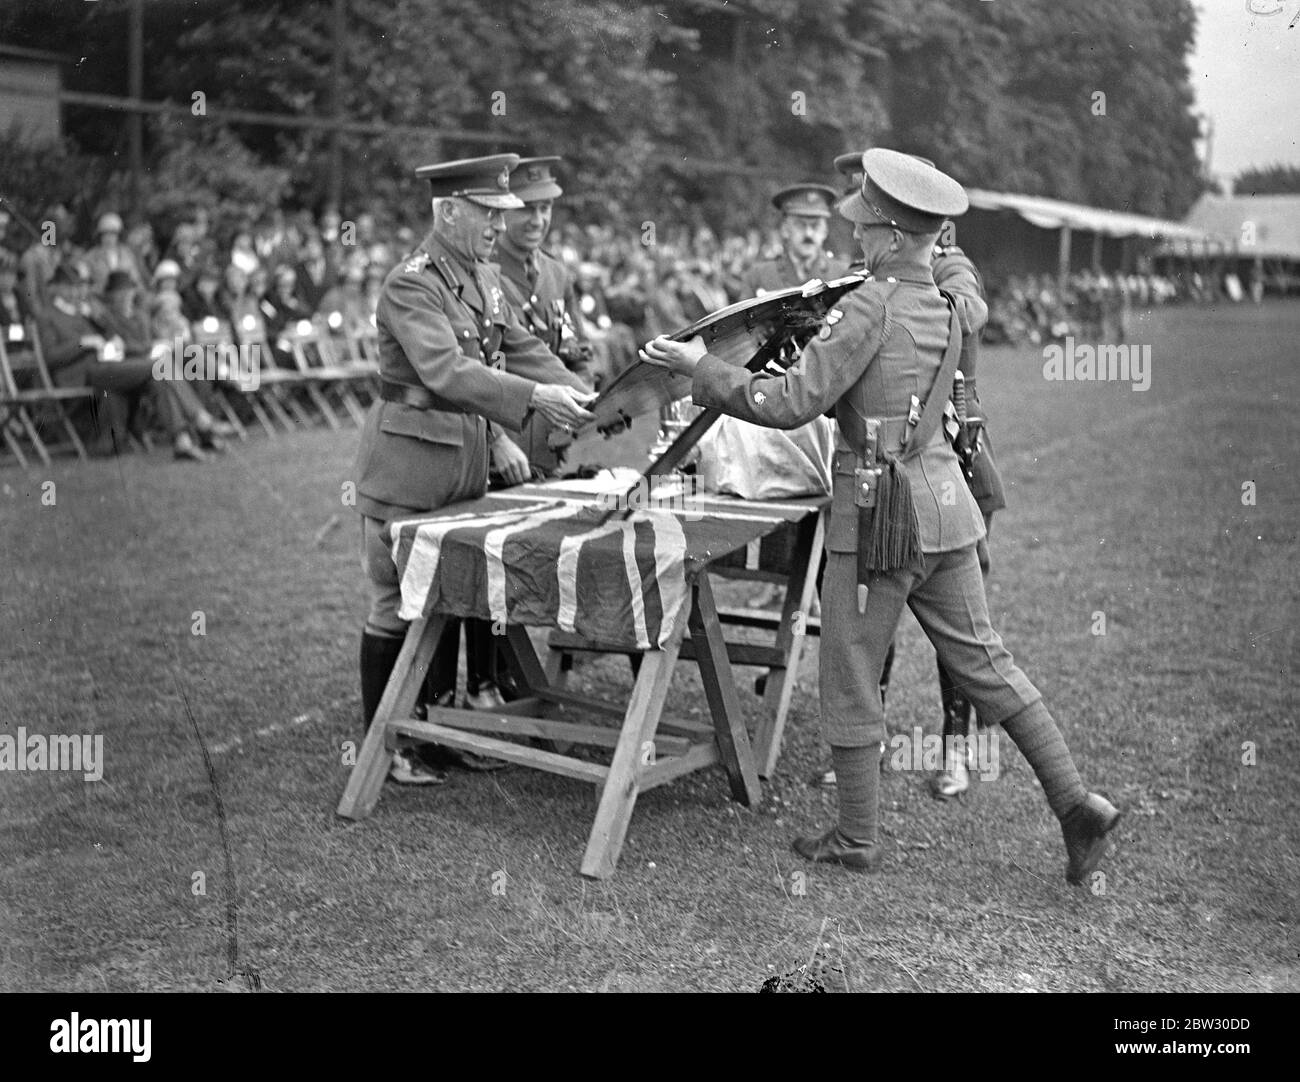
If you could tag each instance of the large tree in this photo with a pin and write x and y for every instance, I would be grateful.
(683, 108)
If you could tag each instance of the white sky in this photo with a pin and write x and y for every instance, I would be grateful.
(1246, 73)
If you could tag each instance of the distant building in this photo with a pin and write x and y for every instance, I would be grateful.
(1266, 226)
(30, 83)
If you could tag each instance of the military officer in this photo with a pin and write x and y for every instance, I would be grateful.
(906, 534)
(805, 217)
(805, 213)
(540, 288)
(955, 273)
(457, 369)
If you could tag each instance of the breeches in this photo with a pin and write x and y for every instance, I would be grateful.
(383, 588)
(947, 598)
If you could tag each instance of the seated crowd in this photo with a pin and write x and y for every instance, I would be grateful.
(100, 310)
(100, 313)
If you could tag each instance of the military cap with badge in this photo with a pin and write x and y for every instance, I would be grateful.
(484, 181)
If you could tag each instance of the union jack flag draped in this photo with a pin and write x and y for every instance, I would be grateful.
(538, 556)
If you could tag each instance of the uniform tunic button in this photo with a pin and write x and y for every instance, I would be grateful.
(467, 334)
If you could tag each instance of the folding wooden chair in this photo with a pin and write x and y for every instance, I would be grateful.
(273, 397)
(21, 357)
(314, 354)
(213, 333)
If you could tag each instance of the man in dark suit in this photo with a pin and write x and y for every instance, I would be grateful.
(457, 369)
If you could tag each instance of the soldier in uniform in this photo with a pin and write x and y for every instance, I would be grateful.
(805, 216)
(457, 369)
(896, 537)
(955, 274)
(540, 289)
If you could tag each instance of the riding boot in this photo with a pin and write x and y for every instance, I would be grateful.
(954, 778)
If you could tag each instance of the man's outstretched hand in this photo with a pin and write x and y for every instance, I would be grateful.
(679, 357)
(562, 405)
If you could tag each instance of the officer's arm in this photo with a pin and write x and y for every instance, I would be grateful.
(809, 387)
(411, 307)
(955, 273)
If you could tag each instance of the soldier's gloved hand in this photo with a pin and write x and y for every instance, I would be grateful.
(562, 405)
(509, 461)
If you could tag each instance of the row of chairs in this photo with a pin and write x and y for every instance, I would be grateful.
(334, 375)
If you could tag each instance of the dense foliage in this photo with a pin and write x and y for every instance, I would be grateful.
(687, 107)
(1268, 180)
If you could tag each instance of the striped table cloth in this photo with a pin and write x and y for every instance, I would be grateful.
(552, 555)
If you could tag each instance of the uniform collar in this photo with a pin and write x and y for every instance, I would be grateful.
(905, 270)
(514, 261)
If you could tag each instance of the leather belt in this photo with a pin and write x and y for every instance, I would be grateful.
(892, 432)
(420, 398)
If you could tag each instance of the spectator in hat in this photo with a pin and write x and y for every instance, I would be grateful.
(345, 308)
(283, 309)
(69, 339)
(167, 278)
(109, 254)
(140, 239)
(316, 273)
(38, 263)
(239, 305)
(202, 300)
(124, 373)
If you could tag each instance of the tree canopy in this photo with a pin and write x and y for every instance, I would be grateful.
(694, 108)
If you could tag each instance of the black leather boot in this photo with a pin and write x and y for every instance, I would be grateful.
(1085, 830)
(954, 779)
(378, 656)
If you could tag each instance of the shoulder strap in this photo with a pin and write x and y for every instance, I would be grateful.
(940, 389)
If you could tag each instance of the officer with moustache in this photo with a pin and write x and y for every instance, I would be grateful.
(457, 369)
(805, 217)
(956, 274)
(540, 288)
(896, 537)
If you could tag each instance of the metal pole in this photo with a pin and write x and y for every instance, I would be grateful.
(336, 101)
(135, 79)
(1063, 258)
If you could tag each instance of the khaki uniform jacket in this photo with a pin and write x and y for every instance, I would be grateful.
(781, 273)
(887, 345)
(549, 309)
(444, 325)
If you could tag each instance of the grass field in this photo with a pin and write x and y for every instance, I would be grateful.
(1124, 503)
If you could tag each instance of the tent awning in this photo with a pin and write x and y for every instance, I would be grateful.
(1055, 213)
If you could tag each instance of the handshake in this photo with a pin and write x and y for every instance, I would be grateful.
(563, 406)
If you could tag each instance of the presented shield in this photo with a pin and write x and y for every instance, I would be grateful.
(764, 332)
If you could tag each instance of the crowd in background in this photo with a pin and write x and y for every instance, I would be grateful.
(262, 273)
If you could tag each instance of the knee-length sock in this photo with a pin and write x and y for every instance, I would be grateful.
(857, 775)
(1040, 741)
